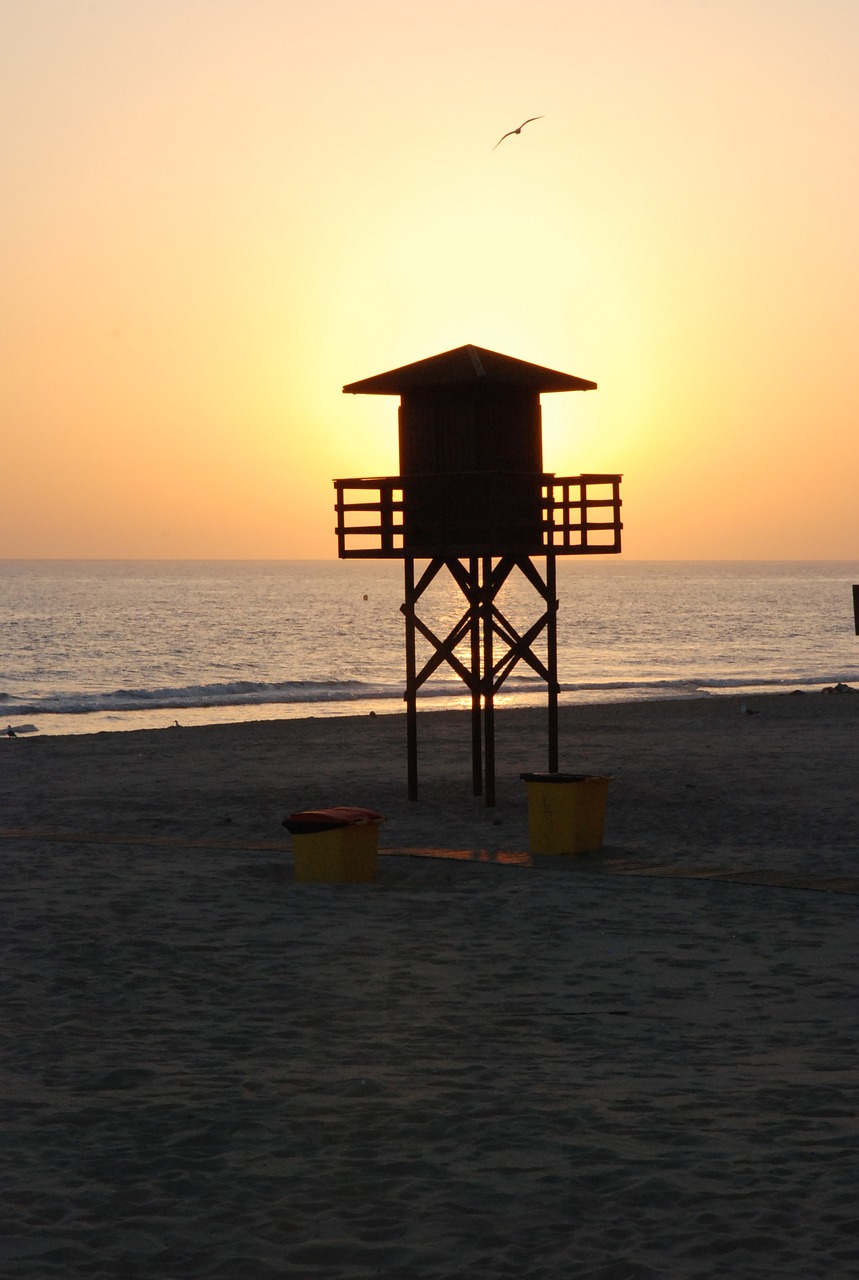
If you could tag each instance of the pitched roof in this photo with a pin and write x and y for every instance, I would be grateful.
(468, 366)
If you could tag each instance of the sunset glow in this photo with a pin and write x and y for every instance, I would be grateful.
(218, 213)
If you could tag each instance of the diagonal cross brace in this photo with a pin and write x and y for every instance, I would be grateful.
(480, 581)
(518, 647)
(444, 650)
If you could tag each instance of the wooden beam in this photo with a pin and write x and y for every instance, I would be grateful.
(488, 692)
(552, 661)
(476, 710)
(411, 683)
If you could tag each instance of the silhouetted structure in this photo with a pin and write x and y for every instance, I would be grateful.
(472, 497)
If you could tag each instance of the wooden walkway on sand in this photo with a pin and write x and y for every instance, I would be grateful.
(597, 864)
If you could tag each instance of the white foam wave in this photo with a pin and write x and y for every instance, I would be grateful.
(246, 693)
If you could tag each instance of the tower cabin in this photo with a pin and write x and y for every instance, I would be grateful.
(472, 498)
(471, 476)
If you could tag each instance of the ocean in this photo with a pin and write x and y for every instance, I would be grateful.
(92, 646)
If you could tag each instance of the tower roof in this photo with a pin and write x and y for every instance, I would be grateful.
(465, 367)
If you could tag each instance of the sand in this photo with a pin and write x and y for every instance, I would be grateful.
(637, 1063)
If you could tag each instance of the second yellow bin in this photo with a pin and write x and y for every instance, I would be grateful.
(566, 811)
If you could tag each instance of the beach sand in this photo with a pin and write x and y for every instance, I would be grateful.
(636, 1063)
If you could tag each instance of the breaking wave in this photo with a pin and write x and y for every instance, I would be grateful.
(245, 693)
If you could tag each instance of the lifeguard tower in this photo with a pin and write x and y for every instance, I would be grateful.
(472, 498)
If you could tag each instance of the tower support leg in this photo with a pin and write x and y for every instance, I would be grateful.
(552, 659)
(411, 680)
(488, 682)
(476, 678)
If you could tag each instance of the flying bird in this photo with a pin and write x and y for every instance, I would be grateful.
(510, 132)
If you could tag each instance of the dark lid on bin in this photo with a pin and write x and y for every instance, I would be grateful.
(564, 777)
(308, 821)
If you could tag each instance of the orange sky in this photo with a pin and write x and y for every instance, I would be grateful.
(217, 212)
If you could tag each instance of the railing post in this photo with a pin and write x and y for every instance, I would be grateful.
(386, 517)
(338, 489)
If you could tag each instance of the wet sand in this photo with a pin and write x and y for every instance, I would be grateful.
(637, 1063)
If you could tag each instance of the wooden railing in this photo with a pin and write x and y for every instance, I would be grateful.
(580, 516)
(365, 539)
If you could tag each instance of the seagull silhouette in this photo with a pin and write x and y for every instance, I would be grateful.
(510, 132)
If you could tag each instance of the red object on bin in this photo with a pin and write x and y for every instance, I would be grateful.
(309, 821)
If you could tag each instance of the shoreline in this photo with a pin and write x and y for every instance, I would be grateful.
(64, 724)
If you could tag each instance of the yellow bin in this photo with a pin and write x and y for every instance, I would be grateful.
(566, 811)
(335, 846)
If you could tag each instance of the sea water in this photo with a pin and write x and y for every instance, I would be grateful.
(90, 646)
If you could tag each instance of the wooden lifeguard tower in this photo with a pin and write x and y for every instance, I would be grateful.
(472, 498)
